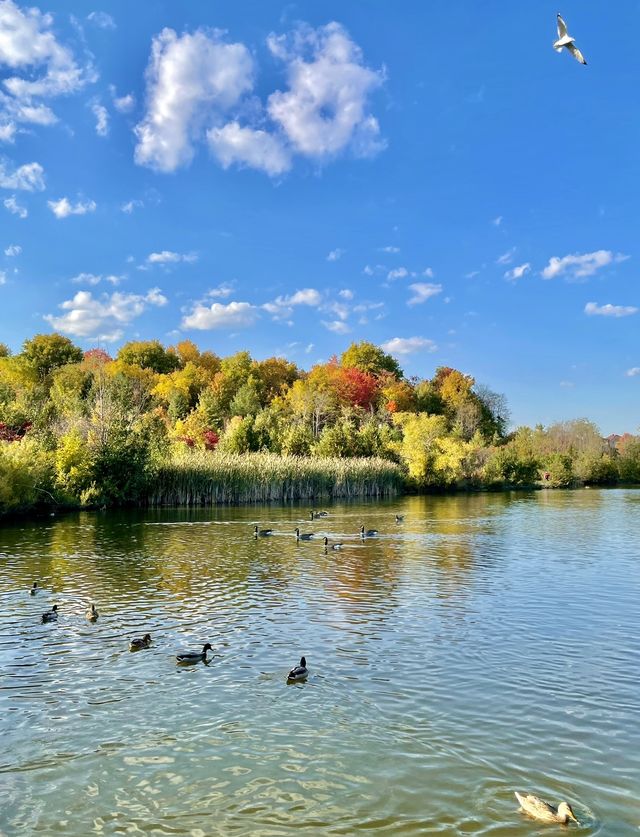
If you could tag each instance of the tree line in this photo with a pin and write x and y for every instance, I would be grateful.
(87, 429)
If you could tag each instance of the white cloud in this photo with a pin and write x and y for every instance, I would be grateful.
(517, 272)
(169, 257)
(408, 345)
(42, 66)
(251, 147)
(422, 291)
(103, 318)
(633, 372)
(309, 348)
(102, 20)
(124, 104)
(14, 207)
(398, 273)
(345, 293)
(506, 258)
(102, 119)
(389, 249)
(581, 265)
(221, 291)
(95, 279)
(129, 206)
(13, 250)
(63, 208)
(337, 326)
(497, 221)
(217, 315)
(3, 277)
(28, 178)
(282, 307)
(191, 80)
(7, 132)
(428, 271)
(335, 255)
(608, 310)
(324, 111)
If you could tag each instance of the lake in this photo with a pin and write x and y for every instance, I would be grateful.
(489, 643)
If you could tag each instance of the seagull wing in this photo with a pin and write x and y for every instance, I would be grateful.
(562, 27)
(573, 49)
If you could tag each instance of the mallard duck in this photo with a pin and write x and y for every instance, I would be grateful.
(262, 533)
(332, 545)
(190, 657)
(34, 588)
(316, 514)
(140, 643)
(399, 518)
(51, 615)
(306, 536)
(92, 614)
(541, 810)
(368, 533)
(299, 672)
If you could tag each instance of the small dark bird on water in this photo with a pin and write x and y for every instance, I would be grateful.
(51, 615)
(399, 518)
(298, 673)
(139, 643)
(34, 588)
(191, 657)
(92, 614)
(262, 533)
(368, 533)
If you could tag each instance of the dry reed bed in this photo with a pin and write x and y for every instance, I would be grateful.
(203, 478)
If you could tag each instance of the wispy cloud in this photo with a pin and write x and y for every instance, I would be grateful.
(27, 178)
(12, 205)
(345, 293)
(634, 372)
(96, 279)
(518, 272)
(409, 345)
(581, 265)
(13, 250)
(101, 19)
(389, 249)
(63, 207)
(102, 118)
(422, 291)
(497, 221)
(169, 257)
(337, 326)
(506, 258)
(608, 310)
(131, 205)
(220, 316)
(335, 255)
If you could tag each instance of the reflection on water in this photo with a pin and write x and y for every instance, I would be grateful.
(486, 644)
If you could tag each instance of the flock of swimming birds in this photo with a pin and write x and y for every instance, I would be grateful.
(531, 805)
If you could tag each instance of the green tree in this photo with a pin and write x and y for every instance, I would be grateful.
(149, 354)
(46, 352)
(370, 358)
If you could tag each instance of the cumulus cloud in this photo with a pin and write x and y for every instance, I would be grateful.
(102, 318)
(335, 255)
(28, 178)
(422, 291)
(251, 147)
(517, 272)
(408, 345)
(169, 257)
(608, 310)
(397, 273)
(324, 111)
(102, 20)
(282, 306)
(633, 372)
(42, 66)
(192, 80)
(12, 205)
(217, 315)
(102, 119)
(581, 265)
(13, 250)
(124, 104)
(63, 208)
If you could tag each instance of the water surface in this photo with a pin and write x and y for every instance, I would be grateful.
(487, 644)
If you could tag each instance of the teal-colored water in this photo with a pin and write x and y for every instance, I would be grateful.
(487, 644)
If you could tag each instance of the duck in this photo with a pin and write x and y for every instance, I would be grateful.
(399, 518)
(92, 614)
(191, 657)
(541, 810)
(51, 615)
(34, 588)
(368, 533)
(333, 545)
(316, 514)
(300, 672)
(140, 642)
(262, 533)
(306, 536)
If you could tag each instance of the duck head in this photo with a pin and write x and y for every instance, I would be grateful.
(565, 810)
(207, 647)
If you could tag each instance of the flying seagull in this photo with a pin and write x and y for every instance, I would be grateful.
(565, 40)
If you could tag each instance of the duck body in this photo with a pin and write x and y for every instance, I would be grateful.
(305, 536)
(316, 514)
(51, 615)
(92, 614)
(298, 673)
(368, 533)
(335, 546)
(262, 533)
(541, 810)
(140, 642)
(34, 588)
(399, 518)
(192, 657)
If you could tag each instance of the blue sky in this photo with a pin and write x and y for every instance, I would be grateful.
(289, 178)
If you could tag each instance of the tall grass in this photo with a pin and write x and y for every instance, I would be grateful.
(203, 478)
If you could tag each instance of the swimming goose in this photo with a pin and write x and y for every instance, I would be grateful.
(262, 533)
(34, 588)
(306, 536)
(399, 518)
(139, 643)
(368, 533)
(51, 615)
(315, 514)
(92, 614)
(191, 657)
(333, 545)
(300, 672)
(541, 810)
(565, 41)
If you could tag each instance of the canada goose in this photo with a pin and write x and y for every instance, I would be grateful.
(306, 536)
(333, 545)
(300, 672)
(139, 643)
(190, 657)
(541, 810)
(51, 615)
(34, 588)
(368, 533)
(262, 533)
